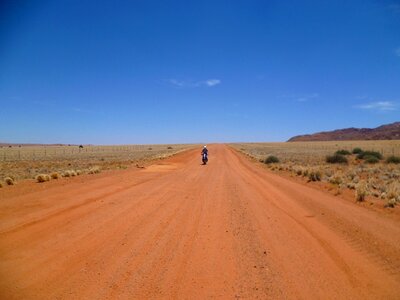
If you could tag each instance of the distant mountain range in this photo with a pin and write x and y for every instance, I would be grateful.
(384, 132)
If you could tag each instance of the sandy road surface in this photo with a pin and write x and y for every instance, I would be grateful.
(229, 230)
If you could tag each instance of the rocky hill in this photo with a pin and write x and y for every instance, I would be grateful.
(384, 132)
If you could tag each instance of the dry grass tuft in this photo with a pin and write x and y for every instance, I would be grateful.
(361, 191)
(336, 178)
(94, 170)
(1, 184)
(42, 178)
(69, 173)
(393, 194)
(55, 175)
(9, 181)
(314, 175)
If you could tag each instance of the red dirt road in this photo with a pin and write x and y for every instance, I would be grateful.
(181, 230)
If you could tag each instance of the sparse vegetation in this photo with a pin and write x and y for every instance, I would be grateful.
(1, 184)
(42, 178)
(28, 161)
(393, 159)
(336, 159)
(303, 158)
(271, 160)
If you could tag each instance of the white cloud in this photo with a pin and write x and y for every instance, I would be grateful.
(178, 83)
(300, 97)
(193, 84)
(212, 82)
(308, 97)
(382, 106)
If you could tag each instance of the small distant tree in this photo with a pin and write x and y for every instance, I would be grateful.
(336, 159)
(393, 160)
(80, 146)
(371, 159)
(357, 150)
(271, 160)
(343, 152)
(364, 154)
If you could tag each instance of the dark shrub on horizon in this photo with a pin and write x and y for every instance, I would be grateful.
(357, 150)
(363, 154)
(336, 159)
(271, 159)
(371, 159)
(343, 152)
(393, 160)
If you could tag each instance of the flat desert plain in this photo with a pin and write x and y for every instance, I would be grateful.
(176, 229)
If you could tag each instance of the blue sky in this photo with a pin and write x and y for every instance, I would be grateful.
(118, 72)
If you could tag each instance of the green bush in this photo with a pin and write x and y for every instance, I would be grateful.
(271, 159)
(357, 150)
(336, 159)
(343, 152)
(363, 154)
(393, 160)
(371, 159)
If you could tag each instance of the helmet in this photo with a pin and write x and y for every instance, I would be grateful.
(205, 146)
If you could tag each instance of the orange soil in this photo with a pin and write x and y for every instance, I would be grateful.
(178, 229)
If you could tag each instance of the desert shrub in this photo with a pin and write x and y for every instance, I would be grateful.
(336, 159)
(393, 160)
(169, 147)
(69, 173)
(94, 170)
(9, 181)
(363, 154)
(357, 150)
(351, 185)
(298, 170)
(314, 175)
(42, 178)
(55, 175)
(391, 203)
(328, 172)
(371, 159)
(336, 178)
(271, 159)
(361, 191)
(343, 152)
(393, 191)
(79, 172)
